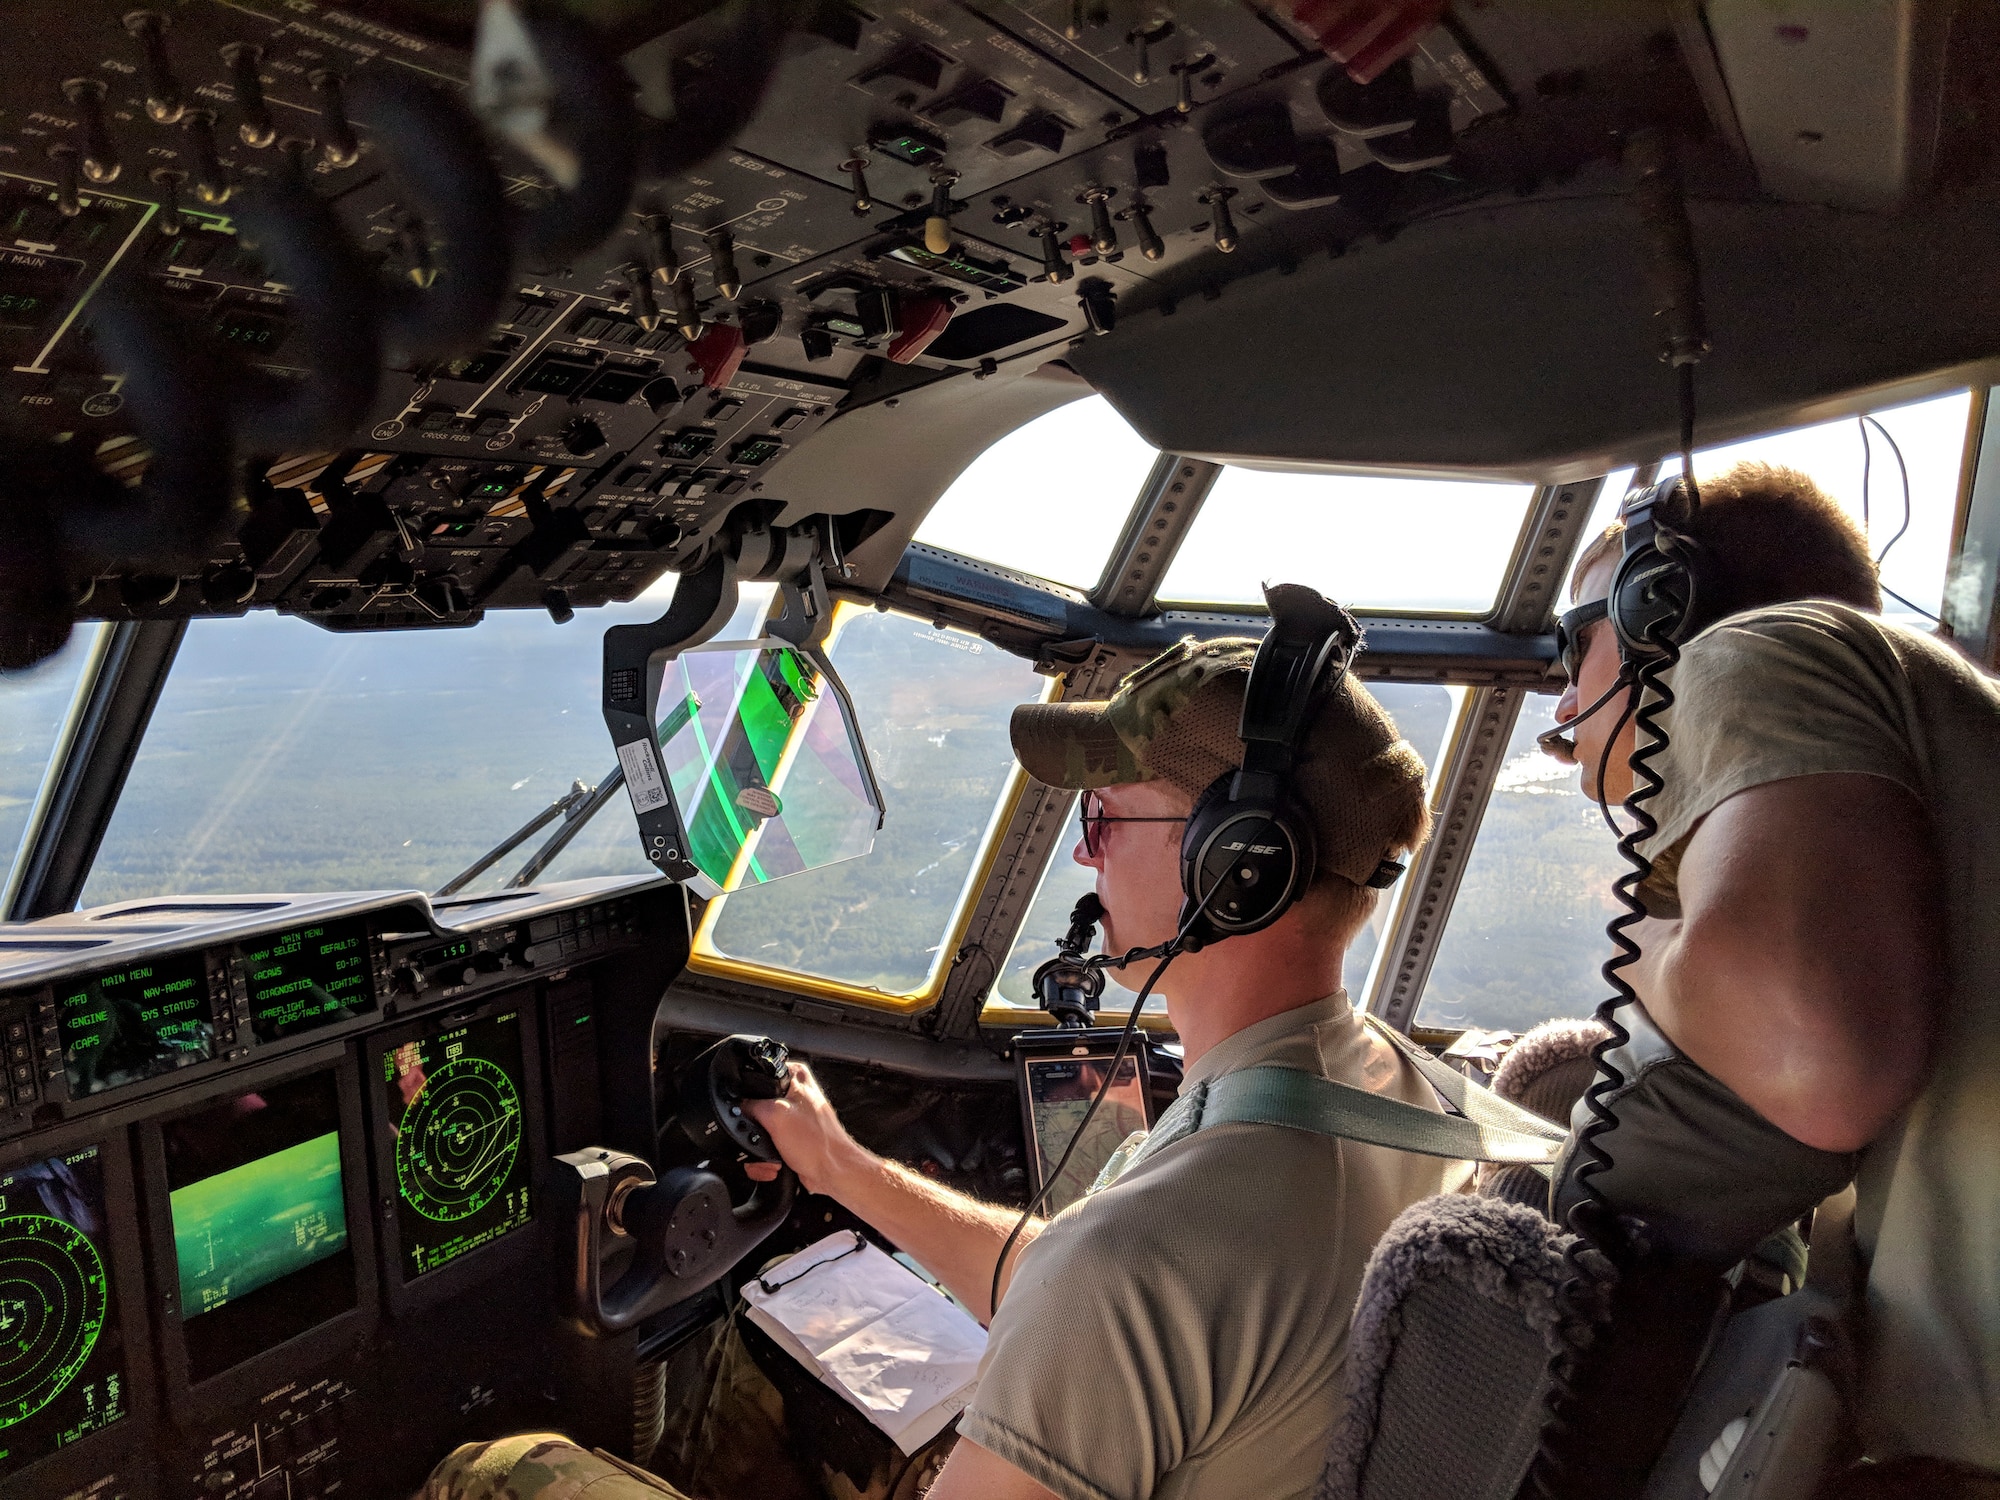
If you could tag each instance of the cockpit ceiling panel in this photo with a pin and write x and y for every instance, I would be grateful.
(1518, 342)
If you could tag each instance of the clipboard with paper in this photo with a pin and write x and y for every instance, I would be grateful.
(880, 1336)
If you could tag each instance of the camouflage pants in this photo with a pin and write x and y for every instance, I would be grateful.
(539, 1466)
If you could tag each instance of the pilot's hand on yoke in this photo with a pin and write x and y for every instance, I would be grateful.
(807, 1133)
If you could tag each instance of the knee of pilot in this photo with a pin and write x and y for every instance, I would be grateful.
(536, 1466)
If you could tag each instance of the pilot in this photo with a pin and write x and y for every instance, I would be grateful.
(1180, 1332)
(1824, 938)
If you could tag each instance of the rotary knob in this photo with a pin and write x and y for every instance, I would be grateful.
(581, 436)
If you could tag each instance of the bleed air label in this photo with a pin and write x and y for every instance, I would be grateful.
(642, 777)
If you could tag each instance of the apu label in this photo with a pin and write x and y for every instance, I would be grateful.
(642, 776)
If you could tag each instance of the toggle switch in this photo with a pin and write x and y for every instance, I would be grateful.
(1216, 200)
(100, 157)
(1139, 215)
(722, 263)
(1184, 76)
(340, 149)
(1143, 43)
(687, 312)
(1103, 238)
(1055, 269)
(69, 180)
(164, 101)
(171, 221)
(856, 168)
(211, 179)
(656, 233)
(937, 227)
(256, 127)
(645, 311)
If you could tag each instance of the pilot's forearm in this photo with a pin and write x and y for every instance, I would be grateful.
(951, 1234)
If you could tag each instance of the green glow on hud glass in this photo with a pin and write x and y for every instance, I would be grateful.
(764, 762)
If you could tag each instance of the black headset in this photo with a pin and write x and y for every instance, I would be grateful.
(1248, 851)
(1662, 574)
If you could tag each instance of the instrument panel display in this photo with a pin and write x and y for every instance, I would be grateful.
(62, 1361)
(135, 1023)
(260, 1233)
(308, 977)
(454, 1100)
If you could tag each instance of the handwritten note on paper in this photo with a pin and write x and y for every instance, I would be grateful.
(881, 1336)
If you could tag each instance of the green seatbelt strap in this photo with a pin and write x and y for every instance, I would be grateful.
(1485, 1127)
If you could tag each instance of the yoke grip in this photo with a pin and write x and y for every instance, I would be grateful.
(686, 1231)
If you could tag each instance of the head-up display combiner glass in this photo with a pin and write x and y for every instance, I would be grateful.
(765, 761)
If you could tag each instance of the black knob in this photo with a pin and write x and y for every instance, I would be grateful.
(556, 602)
(164, 103)
(1100, 304)
(581, 436)
(404, 980)
(256, 128)
(100, 157)
(1103, 238)
(722, 263)
(340, 148)
(228, 585)
(211, 179)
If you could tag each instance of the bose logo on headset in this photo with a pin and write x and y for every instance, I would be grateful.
(1248, 851)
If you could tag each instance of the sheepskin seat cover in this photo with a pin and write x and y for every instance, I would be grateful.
(1546, 1071)
(1447, 1362)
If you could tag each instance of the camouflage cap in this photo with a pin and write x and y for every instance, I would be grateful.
(1176, 720)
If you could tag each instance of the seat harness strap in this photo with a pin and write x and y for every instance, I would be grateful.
(1484, 1128)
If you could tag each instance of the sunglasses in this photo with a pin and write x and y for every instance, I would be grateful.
(1092, 816)
(1570, 626)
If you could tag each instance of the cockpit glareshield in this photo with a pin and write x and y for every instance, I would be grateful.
(766, 763)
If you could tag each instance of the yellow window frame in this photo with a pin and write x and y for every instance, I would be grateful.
(707, 959)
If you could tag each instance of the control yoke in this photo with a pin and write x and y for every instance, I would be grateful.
(685, 1230)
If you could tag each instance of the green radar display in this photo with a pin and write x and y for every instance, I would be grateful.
(461, 1176)
(61, 1360)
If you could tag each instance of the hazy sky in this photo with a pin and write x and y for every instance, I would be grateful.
(1050, 498)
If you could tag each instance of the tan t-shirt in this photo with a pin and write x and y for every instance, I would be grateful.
(1180, 1333)
(1804, 689)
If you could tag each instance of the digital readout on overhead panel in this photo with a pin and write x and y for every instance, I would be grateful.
(135, 1023)
(308, 978)
(62, 1362)
(454, 1102)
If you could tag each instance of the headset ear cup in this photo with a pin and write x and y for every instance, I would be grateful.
(1243, 864)
(1194, 838)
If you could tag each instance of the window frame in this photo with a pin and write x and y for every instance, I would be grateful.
(706, 959)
